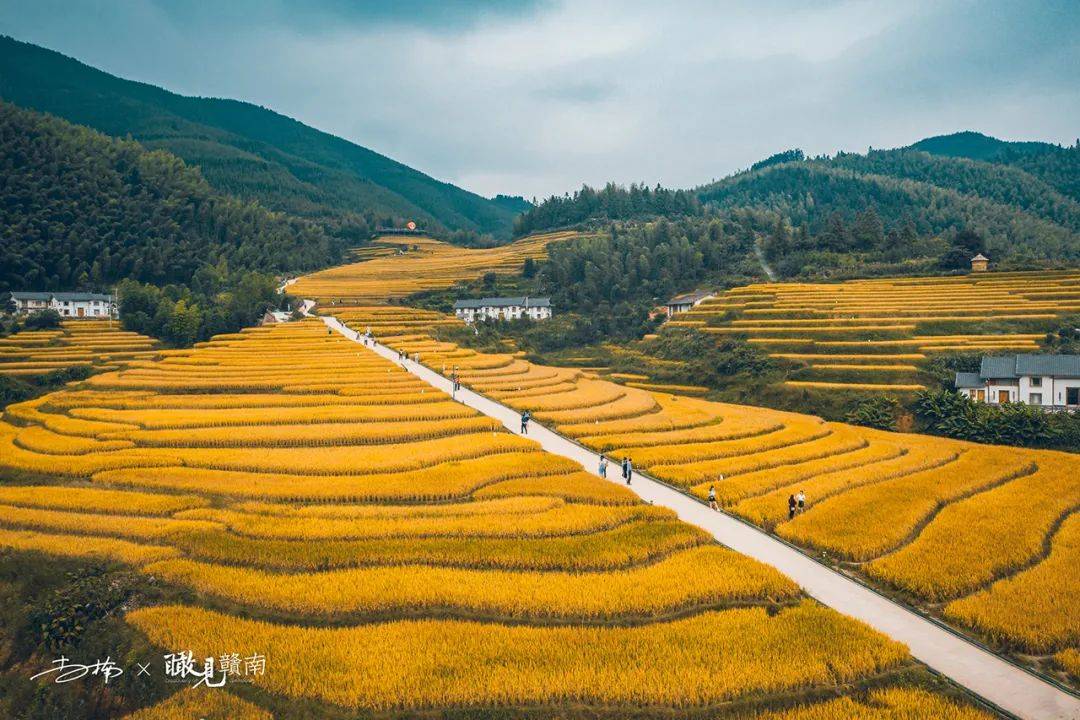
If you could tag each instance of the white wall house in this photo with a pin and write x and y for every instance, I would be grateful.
(503, 308)
(682, 303)
(68, 304)
(1049, 381)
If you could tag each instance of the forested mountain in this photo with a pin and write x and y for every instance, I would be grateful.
(80, 209)
(1057, 166)
(817, 193)
(976, 146)
(609, 203)
(876, 209)
(246, 150)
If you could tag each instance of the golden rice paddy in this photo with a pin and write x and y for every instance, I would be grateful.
(99, 344)
(978, 526)
(842, 334)
(388, 549)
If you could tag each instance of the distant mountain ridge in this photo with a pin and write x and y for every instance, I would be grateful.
(976, 146)
(246, 150)
(1023, 198)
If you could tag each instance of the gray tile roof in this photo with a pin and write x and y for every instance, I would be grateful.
(998, 368)
(501, 302)
(1049, 365)
(968, 380)
(1010, 367)
(62, 296)
(82, 296)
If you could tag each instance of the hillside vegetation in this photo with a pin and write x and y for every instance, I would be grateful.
(246, 150)
(81, 209)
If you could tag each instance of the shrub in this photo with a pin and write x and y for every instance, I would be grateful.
(46, 319)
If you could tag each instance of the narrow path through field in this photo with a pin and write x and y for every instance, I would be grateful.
(984, 673)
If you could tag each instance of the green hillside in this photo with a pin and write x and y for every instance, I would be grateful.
(80, 209)
(976, 146)
(1057, 166)
(1017, 214)
(246, 150)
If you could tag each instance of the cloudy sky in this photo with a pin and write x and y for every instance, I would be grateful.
(538, 97)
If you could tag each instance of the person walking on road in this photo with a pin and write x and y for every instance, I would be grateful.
(801, 499)
(791, 504)
(525, 417)
(603, 466)
(624, 468)
(712, 497)
(629, 470)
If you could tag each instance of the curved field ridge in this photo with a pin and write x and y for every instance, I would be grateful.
(872, 334)
(938, 518)
(403, 552)
(436, 663)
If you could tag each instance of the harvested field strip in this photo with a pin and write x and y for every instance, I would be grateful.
(853, 385)
(701, 577)
(438, 482)
(732, 429)
(94, 548)
(1035, 609)
(325, 434)
(739, 487)
(690, 452)
(173, 418)
(760, 452)
(949, 558)
(566, 520)
(339, 460)
(771, 508)
(872, 520)
(123, 526)
(625, 546)
(82, 499)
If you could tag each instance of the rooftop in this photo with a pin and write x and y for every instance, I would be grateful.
(968, 380)
(69, 296)
(501, 302)
(1009, 367)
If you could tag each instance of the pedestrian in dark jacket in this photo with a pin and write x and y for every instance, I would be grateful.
(629, 470)
(525, 417)
(791, 507)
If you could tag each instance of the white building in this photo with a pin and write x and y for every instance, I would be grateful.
(68, 304)
(503, 308)
(682, 303)
(1050, 381)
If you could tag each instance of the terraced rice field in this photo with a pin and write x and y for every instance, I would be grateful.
(977, 534)
(872, 334)
(390, 551)
(97, 343)
(423, 264)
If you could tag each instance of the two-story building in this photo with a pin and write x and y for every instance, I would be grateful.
(1049, 381)
(503, 308)
(682, 303)
(68, 304)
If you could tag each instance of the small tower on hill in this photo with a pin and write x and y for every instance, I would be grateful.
(980, 263)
